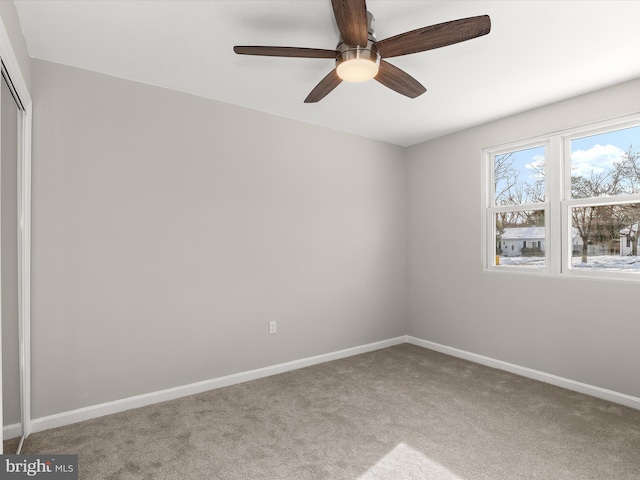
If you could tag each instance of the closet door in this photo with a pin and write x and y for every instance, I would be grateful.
(11, 399)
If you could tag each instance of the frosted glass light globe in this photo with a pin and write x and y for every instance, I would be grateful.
(357, 70)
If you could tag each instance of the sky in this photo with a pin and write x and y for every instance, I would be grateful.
(595, 153)
(598, 152)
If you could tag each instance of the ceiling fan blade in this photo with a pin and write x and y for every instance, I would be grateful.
(434, 36)
(351, 17)
(326, 85)
(399, 80)
(286, 52)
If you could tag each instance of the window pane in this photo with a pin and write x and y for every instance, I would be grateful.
(605, 237)
(519, 177)
(606, 164)
(520, 239)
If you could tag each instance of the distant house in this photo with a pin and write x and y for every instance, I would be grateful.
(513, 240)
(626, 247)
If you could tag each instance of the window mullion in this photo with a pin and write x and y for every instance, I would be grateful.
(555, 179)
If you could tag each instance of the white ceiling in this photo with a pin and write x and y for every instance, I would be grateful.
(537, 52)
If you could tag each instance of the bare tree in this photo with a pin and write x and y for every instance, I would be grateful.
(510, 190)
(627, 171)
(535, 191)
(505, 179)
(587, 220)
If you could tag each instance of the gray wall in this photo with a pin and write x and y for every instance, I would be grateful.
(169, 229)
(585, 330)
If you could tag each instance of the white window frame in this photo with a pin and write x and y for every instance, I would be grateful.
(558, 204)
(490, 209)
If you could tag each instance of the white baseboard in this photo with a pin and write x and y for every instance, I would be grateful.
(94, 411)
(602, 393)
(11, 431)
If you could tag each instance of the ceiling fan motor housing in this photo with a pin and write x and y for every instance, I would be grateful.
(352, 52)
(363, 53)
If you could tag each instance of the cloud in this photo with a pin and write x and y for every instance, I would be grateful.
(598, 159)
(536, 167)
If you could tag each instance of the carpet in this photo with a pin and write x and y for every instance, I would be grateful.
(403, 412)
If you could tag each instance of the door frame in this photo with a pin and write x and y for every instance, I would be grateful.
(12, 68)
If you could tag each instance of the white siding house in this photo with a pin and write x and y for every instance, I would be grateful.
(513, 240)
(626, 248)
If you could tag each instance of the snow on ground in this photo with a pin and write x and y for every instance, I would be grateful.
(610, 263)
(614, 263)
(536, 262)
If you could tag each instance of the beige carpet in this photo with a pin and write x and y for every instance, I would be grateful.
(399, 413)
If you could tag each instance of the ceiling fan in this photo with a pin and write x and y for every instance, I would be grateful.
(359, 56)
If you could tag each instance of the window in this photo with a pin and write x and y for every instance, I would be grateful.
(567, 203)
(518, 207)
(604, 187)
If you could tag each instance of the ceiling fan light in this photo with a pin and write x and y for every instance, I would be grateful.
(357, 64)
(357, 70)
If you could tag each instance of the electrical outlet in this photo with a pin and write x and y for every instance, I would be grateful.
(272, 327)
